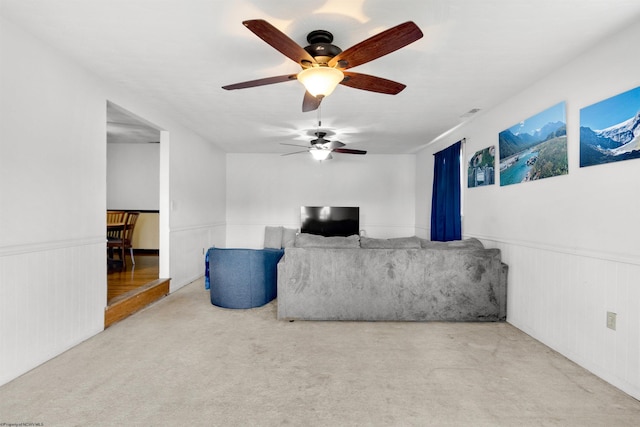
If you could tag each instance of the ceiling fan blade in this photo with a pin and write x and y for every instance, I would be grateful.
(372, 83)
(310, 102)
(379, 45)
(333, 144)
(295, 152)
(278, 40)
(295, 145)
(261, 82)
(349, 151)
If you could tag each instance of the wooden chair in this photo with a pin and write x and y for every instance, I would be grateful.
(113, 218)
(123, 240)
(115, 230)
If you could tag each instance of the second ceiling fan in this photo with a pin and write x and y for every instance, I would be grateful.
(324, 64)
(322, 148)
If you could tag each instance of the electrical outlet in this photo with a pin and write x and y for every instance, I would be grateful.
(611, 320)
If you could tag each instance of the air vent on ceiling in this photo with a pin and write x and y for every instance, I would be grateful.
(469, 113)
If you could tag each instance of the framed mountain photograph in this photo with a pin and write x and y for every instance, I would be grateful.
(535, 148)
(610, 129)
(481, 170)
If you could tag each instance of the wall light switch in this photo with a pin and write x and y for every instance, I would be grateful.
(611, 320)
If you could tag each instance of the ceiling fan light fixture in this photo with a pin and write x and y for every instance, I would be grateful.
(320, 81)
(320, 153)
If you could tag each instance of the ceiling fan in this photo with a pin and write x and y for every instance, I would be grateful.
(322, 148)
(324, 64)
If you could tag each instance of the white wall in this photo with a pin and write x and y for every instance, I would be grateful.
(133, 183)
(264, 189)
(571, 241)
(53, 200)
(52, 168)
(424, 180)
(197, 197)
(133, 176)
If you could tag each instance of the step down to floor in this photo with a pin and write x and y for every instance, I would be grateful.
(126, 304)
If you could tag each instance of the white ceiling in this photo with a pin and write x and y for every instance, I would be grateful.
(176, 55)
(125, 128)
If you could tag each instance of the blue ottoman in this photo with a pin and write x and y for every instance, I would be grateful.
(242, 278)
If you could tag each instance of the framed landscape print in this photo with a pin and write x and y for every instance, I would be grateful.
(535, 148)
(481, 170)
(610, 129)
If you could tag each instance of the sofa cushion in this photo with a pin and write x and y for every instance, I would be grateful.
(471, 243)
(305, 240)
(466, 243)
(395, 243)
(288, 237)
(273, 237)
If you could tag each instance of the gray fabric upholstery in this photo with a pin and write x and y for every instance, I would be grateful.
(304, 240)
(471, 243)
(444, 284)
(288, 237)
(273, 237)
(395, 243)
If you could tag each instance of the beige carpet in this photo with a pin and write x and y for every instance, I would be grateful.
(185, 362)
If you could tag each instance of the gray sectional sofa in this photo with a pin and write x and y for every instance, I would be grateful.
(407, 279)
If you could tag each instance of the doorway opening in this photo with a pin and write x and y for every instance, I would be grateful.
(134, 188)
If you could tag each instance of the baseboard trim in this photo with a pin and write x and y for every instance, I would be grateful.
(143, 252)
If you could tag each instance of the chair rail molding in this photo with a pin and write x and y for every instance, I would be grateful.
(197, 227)
(11, 250)
(582, 252)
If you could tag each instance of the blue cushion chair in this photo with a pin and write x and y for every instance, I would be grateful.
(242, 278)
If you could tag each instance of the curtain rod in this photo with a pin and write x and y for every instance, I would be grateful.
(463, 141)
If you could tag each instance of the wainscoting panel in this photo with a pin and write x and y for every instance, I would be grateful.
(52, 297)
(188, 247)
(561, 298)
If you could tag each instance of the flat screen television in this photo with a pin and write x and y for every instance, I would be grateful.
(330, 220)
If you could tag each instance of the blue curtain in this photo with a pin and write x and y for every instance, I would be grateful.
(446, 223)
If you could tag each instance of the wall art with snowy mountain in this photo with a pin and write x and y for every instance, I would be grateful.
(535, 148)
(610, 129)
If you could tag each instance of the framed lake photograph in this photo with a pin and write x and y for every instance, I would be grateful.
(481, 170)
(535, 148)
(610, 129)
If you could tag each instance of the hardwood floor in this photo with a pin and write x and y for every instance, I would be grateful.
(120, 282)
(134, 288)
